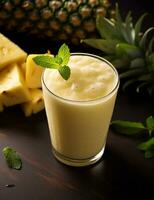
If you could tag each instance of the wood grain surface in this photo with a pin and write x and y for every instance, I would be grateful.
(122, 173)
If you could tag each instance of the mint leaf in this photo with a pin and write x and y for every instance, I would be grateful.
(12, 158)
(58, 60)
(64, 72)
(127, 127)
(64, 54)
(150, 124)
(46, 61)
(148, 147)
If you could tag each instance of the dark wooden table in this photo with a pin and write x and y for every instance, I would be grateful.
(121, 174)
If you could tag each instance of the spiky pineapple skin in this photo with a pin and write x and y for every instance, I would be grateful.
(70, 20)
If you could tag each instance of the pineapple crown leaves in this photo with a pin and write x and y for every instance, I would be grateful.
(129, 50)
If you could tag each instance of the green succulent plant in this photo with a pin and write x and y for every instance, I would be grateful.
(128, 49)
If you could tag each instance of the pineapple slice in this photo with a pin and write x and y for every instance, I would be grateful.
(12, 86)
(36, 104)
(33, 73)
(10, 52)
(22, 66)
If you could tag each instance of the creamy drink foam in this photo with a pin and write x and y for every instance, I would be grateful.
(79, 109)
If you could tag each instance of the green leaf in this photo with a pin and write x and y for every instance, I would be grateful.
(58, 60)
(142, 42)
(150, 124)
(145, 77)
(129, 31)
(118, 18)
(138, 28)
(140, 86)
(121, 63)
(128, 49)
(146, 145)
(151, 62)
(106, 28)
(137, 62)
(132, 73)
(150, 46)
(46, 61)
(119, 24)
(64, 54)
(108, 46)
(65, 72)
(12, 158)
(127, 127)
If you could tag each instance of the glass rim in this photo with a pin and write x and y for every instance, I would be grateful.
(86, 101)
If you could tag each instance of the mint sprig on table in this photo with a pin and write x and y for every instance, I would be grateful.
(58, 61)
(137, 128)
(12, 158)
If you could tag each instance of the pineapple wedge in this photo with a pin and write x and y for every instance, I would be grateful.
(22, 66)
(10, 52)
(33, 72)
(12, 86)
(36, 104)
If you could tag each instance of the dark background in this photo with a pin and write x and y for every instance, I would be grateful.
(121, 174)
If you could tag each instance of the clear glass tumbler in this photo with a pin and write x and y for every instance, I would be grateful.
(78, 129)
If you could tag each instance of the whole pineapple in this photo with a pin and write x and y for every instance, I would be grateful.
(128, 49)
(70, 20)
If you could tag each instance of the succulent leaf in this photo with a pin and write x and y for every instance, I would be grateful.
(133, 55)
(106, 28)
(131, 73)
(128, 49)
(119, 21)
(137, 62)
(151, 62)
(108, 46)
(143, 40)
(151, 45)
(140, 86)
(129, 31)
(145, 77)
(138, 28)
(121, 63)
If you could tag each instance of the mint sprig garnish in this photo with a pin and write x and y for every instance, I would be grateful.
(58, 61)
(64, 72)
(137, 128)
(12, 158)
(64, 54)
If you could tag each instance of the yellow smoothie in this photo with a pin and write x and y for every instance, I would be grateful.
(79, 110)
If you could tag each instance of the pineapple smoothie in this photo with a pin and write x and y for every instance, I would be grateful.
(79, 110)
